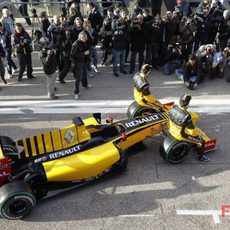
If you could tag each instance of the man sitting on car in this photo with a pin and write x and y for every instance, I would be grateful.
(142, 93)
(183, 126)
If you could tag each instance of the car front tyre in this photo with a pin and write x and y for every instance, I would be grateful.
(173, 151)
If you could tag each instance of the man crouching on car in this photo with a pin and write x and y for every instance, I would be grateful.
(142, 94)
(183, 126)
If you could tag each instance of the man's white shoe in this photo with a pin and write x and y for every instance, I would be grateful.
(76, 96)
(87, 87)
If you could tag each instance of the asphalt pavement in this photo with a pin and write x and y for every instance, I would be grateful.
(151, 194)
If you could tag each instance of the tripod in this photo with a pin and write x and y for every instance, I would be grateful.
(35, 22)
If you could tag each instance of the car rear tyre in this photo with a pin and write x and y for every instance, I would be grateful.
(174, 151)
(136, 110)
(9, 145)
(16, 200)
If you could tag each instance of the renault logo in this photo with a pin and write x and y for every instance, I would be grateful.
(69, 136)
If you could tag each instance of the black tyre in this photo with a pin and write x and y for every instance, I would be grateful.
(16, 200)
(9, 145)
(136, 110)
(174, 151)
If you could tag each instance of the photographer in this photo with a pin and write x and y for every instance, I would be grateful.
(224, 30)
(190, 73)
(171, 24)
(105, 35)
(22, 44)
(205, 56)
(45, 23)
(172, 59)
(186, 28)
(56, 35)
(216, 15)
(138, 33)
(119, 41)
(80, 57)
(219, 61)
(203, 21)
(49, 63)
(156, 33)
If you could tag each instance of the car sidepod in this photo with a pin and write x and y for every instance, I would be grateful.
(80, 165)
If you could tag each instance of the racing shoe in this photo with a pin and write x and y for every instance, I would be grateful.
(203, 158)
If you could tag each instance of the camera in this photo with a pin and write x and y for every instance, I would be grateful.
(34, 12)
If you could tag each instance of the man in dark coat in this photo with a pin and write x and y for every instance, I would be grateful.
(80, 55)
(22, 42)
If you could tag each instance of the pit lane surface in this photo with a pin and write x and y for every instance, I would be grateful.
(150, 195)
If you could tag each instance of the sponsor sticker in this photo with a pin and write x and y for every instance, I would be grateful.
(142, 121)
(59, 154)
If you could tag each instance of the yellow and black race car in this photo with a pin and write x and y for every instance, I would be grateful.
(60, 158)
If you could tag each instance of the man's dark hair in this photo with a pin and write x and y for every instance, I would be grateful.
(43, 14)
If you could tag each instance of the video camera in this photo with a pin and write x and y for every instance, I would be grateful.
(34, 13)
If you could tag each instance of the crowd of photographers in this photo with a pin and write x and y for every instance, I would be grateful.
(192, 44)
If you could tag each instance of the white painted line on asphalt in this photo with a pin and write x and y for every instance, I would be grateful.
(86, 110)
(138, 188)
(214, 213)
(63, 110)
(201, 104)
(193, 178)
(28, 110)
(128, 216)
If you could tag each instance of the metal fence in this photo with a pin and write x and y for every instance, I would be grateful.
(49, 4)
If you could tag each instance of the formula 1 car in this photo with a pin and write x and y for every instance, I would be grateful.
(61, 158)
(172, 150)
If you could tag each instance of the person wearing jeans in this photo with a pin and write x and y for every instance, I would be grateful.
(7, 29)
(190, 75)
(118, 57)
(49, 62)
(22, 42)
(80, 55)
(171, 66)
(119, 41)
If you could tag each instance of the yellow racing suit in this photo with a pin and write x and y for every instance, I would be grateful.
(183, 127)
(142, 93)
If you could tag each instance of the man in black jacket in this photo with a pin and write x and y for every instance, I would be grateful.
(138, 33)
(45, 23)
(56, 34)
(49, 63)
(224, 30)
(119, 41)
(80, 56)
(22, 42)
